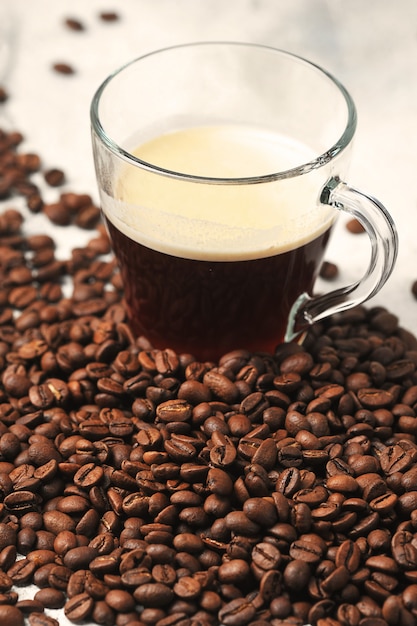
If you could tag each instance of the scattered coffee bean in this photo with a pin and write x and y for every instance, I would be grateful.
(329, 270)
(3, 94)
(109, 16)
(74, 24)
(54, 177)
(63, 68)
(354, 226)
(40, 619)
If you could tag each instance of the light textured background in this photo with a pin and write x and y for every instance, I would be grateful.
(370, 46)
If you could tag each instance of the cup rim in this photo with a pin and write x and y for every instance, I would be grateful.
(318, 162)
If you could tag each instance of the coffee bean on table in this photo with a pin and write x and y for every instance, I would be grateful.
(11, 616)
(237, 612)
(63, 68)
(79, 607)
(355, 227)
(54, 177)
(329, 270)
(74, 24)
(50, 598)
(109, 16)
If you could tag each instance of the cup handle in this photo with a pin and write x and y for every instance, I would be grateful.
(382, 233)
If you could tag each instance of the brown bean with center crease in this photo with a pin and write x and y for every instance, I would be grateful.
(59, 576)
(22, 571)
(266, 556)
(180, 450)
(306, 550)
(137, 576)
(164, 573)
(223, 453)
(237, 612)
(187, 588)
(178, 410)
(79, 607)
(349, 555)
(403, 550)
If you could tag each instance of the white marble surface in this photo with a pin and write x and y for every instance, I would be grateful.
(370, 46)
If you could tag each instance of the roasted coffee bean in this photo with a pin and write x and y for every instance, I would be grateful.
(223, 453)
(6, 582)
(348, 555)
(403, 550)
(80, 557)
(296, 575)
(74, 24)
(29, 606)
(164, 573)
(237, 612)
(266, 556)
(11, 615)
(54, 177)
(153, 594)
(120, 600)
(329, 270)
(187, 588)
(234, 571)
(306, 549)
(221, 386)
(50, 598)
(261, 511)
(79, 607)
(63, 68)
(3, 94)
(174, 411)
(109, 16)
(22, 571)
(238, 523)
(136, 577)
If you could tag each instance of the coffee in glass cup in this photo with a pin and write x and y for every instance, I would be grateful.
(221, 170)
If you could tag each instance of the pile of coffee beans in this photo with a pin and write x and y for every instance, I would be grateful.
(141, 487)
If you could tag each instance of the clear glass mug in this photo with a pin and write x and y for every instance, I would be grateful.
(221, 169)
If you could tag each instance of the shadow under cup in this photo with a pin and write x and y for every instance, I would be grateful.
(219, 168)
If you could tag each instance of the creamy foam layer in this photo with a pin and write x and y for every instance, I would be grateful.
(216, 221)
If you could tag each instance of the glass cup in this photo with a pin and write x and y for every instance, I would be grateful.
(221, 169)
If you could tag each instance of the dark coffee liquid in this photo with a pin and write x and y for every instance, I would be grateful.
(207, 308)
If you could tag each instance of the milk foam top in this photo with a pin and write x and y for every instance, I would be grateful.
(209, 221)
